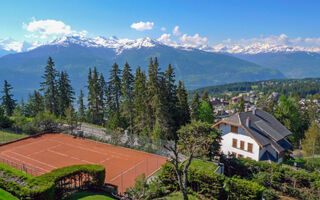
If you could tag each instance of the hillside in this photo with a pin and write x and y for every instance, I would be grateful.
(297, 64)
(302, 87)
(76, 54)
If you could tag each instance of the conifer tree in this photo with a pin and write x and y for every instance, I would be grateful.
(113, 97)
(241, 105)
(141, 120)
(65, 93)
(171, 100)
(127, 105)
(93, 96)
(8, 103)
(205, 97)
(35, 104)
(82, 108)
(182, 105)
(101, 90)
(49, 87)
(195, 104)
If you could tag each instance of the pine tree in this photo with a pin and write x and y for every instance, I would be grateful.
(113, 97)
(171, 100)
(82, 108)
(127, 105)
(183, 106)
(205, 97)
(65, 93)
(49, 87)
(71, 118)
(8, 103)
(141, 120)
(195, 106)
(101, 89)
(93, 96)
(35, 104)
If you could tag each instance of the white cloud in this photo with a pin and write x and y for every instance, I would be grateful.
(163, 29)
(142, 26)
(46, 28)
(313, 41)
(176, 31)
(165, 38)
(194, 41)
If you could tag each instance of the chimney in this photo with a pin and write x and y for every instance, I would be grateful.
(248, 122)
(254, 111)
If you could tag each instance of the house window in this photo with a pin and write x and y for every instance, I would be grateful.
(242, 145)
(234, 129)
(250, 145)
(240, 156)
(234, 143)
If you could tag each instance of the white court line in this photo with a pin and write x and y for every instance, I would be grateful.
(105, 152)
(126, 170)
(35, 160)
(22, 162)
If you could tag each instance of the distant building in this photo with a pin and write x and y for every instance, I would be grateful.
(254, 135)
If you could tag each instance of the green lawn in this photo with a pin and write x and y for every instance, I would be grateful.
(8, 135)
(203, 165)
(178, 196)
(88, 195)
(6, 196)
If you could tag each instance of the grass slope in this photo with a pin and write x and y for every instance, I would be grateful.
(6, 196)
(89, 195)
(8, 135)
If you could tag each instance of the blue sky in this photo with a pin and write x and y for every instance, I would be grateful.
(216, 21)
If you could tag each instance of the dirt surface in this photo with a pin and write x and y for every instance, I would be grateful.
(51, 151)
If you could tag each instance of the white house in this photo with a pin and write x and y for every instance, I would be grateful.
(254, 135)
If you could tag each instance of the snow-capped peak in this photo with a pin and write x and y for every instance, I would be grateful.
(112, 42)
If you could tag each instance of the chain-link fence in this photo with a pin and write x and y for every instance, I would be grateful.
(127, 178)
(27, 168)
(123, 138)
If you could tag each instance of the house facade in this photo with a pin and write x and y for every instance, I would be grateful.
(255, 135)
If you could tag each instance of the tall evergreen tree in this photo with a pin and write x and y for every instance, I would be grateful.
(241, 105)
(65, 93)
(127, 106)
(195, 104)
(35, 104)
(113, 97)
(183, 106)
(82, 108)
(171, 100)
(141, 118)
(101, 90)
(8, 103)
(93, 96)
(49, 87)
(205, 97)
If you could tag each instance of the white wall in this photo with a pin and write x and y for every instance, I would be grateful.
(226, 143)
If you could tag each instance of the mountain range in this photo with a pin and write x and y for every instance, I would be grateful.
(75, 54)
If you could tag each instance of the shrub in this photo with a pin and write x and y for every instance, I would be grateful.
(43, 187)
(243, 189)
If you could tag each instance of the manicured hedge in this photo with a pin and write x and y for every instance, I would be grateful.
(300, 184)
(25, 186)
(211, 185)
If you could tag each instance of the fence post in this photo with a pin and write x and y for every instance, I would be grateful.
(122, 182)
(147, 166)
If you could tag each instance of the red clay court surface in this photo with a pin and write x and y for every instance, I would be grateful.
(52, 151)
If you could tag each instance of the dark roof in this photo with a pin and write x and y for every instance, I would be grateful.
(268, 157)
(264, 128)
